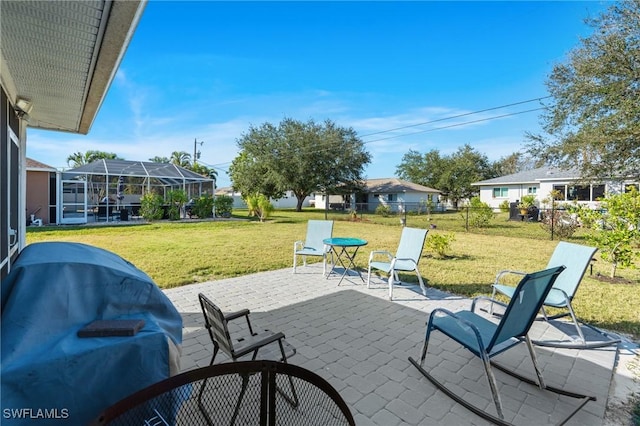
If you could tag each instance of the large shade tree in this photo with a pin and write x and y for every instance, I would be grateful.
(593, 120)
(452, 174)
(304, 157)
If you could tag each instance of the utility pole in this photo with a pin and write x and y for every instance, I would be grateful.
(196, 154)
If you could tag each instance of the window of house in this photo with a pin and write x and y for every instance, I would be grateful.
(376, 195)
(560, 192)
(597, 191)
(391, 197)
(532, 190)
(628, 186)
(501, 192)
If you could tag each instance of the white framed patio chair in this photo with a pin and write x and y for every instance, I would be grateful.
(313, 245)
(576, 258)
(406, 258)
(486, 339)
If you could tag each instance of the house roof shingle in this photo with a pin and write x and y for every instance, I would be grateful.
(395, 185)
(531, 176)
(32, 164)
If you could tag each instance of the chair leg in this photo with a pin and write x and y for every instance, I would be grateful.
(294, 400)
(245, 384)
(575, 322)
(426, 345)
(294, 261)
(391, 280)
(492, 384)
(202, 388)
(534, 359)
(424, 289)
(493, 296)
(369, 277)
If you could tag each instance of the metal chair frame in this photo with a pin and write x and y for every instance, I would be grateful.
(406, 258)
(486, 339)
(317, 230)
(258, 345)
(576, 258)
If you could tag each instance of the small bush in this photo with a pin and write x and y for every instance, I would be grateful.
(260, 206)
(480, 214)
(151, 207)
(203, 206)
(224, 205)
(383, 210)
(177, 198)
(440, 243)
(504, 206)
(560, 222)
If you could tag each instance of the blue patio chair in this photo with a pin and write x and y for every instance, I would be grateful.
(486, 339)
(576, 258)
(406, 258)
(317, 231)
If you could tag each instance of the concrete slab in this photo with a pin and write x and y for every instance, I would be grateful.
(360, 341)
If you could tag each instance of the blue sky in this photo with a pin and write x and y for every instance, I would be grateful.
(208, 70)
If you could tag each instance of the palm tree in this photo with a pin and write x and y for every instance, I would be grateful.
(78, 159)
(158, 159)
(181, 158)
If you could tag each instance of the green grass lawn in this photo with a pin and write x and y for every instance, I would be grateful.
(179, 253)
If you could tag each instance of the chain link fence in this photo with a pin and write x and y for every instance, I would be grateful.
(558, 223)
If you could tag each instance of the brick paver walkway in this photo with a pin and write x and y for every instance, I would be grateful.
(359, 341)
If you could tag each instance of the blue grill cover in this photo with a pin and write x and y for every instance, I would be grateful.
(48, 372)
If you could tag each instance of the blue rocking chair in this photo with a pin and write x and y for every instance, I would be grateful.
(576, 258)
(486, 339)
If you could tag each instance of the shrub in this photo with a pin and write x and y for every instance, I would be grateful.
(177, 198)
(561, 222)
(504, 206)
(615, 228)
(151, 206)
(383, 210)
(440, 243)
(203, 206)
(224, 205)
(480, 214)
(260, 206)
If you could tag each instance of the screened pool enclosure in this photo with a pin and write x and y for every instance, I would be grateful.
(107, 190)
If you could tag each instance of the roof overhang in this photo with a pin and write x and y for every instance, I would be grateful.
(61, 56)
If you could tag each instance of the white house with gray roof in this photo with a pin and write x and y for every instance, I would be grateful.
(385, 191)
(540, 182)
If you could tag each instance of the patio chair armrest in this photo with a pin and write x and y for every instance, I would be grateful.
(504, 272)
(380, 252)
(261, 341)
(464, 325)
(233, 315)
(298, 245)
(404, 259)
(488, 299)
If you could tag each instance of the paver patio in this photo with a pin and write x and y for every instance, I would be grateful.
(359, 341)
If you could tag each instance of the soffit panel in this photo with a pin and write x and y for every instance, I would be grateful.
(49, 48)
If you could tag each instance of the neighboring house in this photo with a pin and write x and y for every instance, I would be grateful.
(57, 61)
(289, 201)
(393, 192)
(41, 192)
(540, 182)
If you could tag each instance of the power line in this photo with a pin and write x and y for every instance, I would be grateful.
(456, 125)
(431, 122)
(455, 116)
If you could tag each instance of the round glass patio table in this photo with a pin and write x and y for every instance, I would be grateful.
(345, 248)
